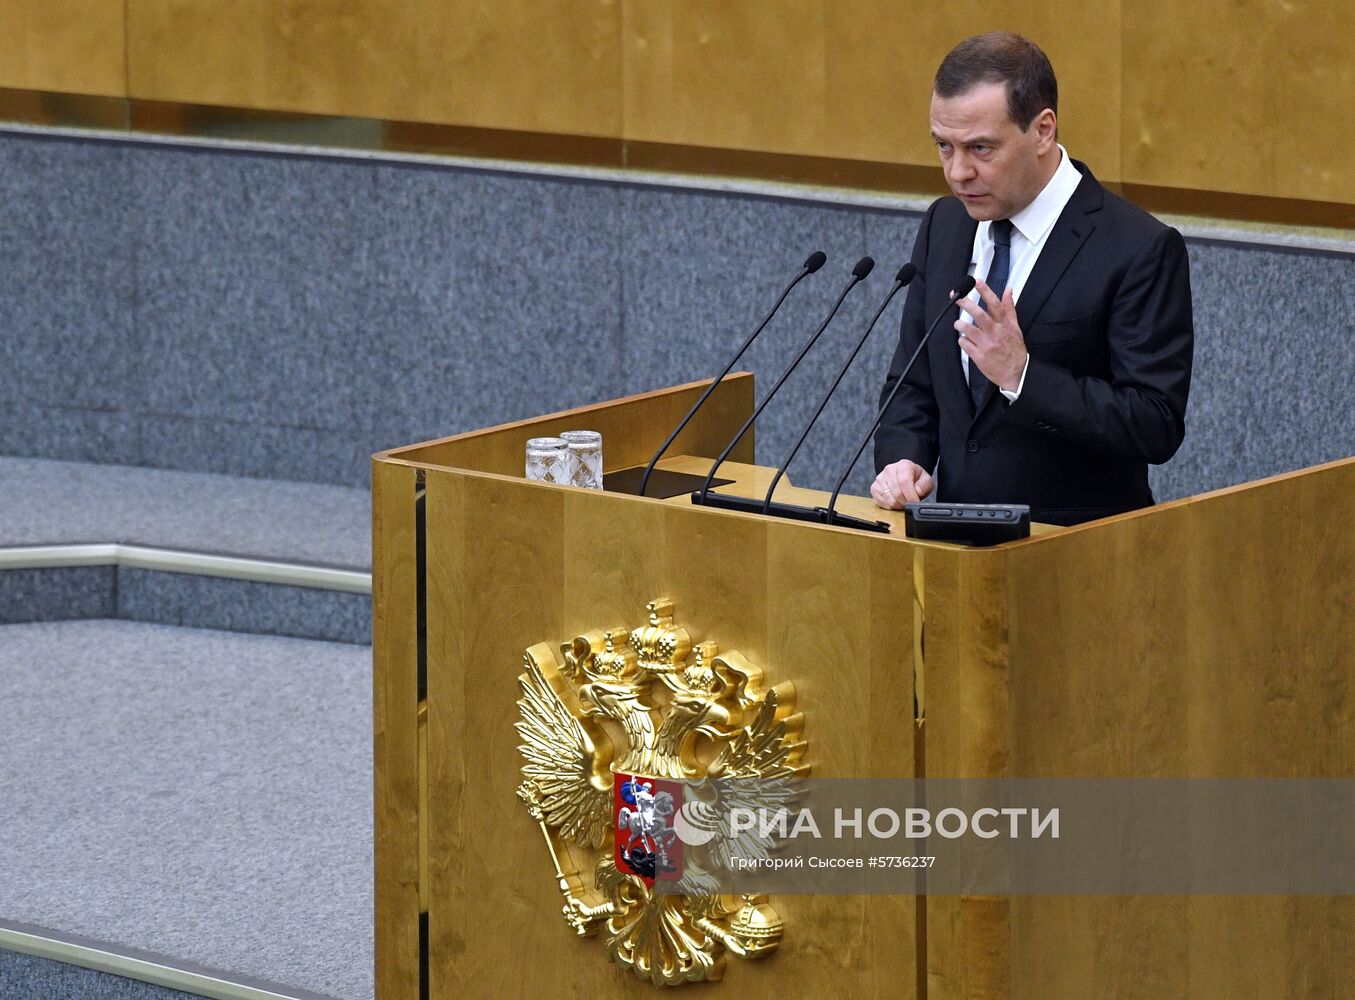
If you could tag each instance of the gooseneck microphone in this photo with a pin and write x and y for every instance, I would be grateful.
(965, 286)
(901, 280)
(812, 263)
(863, 267)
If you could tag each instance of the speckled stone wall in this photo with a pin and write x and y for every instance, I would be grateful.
(27, 977)
(284, 316)
(77, 593)
(66, 593)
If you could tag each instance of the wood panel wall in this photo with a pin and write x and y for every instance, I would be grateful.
(1243, 97)
(71, 46)
(846, 79)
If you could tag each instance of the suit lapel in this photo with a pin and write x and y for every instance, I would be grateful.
(955, 262)
(1071, 230)
(1066, 239)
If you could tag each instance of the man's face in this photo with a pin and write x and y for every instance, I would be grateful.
(992, 166)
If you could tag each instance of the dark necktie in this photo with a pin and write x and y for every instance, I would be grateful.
(1001, 231)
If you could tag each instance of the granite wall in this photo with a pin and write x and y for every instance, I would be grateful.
(283, 316)
(28, 977)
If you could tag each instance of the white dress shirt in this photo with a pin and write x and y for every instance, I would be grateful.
(1030, 230)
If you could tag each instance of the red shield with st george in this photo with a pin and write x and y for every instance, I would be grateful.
(642, 812)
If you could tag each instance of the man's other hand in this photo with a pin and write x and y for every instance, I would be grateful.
(900, 483)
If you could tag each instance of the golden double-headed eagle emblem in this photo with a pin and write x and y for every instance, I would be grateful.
(700, 735)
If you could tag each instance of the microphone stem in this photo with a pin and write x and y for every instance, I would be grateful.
(705, 486)
(649, 469)
(842, 373)
(832, 502)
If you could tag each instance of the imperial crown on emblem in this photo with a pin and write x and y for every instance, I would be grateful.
(702, 736)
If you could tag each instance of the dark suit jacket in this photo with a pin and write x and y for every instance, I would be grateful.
(1106, 316)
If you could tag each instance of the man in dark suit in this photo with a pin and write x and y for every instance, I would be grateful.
(1066, 373)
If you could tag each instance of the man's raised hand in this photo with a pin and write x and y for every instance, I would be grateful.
(994, 340)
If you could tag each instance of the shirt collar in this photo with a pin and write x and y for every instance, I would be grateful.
(1036, 219)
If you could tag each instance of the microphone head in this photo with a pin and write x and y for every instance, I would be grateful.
(815, 261)
(863, 267)
(906, 274)
(965, 286)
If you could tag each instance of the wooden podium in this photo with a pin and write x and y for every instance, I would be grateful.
(1208, 637)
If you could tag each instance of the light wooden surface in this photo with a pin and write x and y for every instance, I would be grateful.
(1242, 96)
(396, 748)
(585, 561)
(327, 57)
(632, 430)
(1219, 75)
(532, 65)
(536, 65)
(512, 563)
(72, 46)
(849, 79)
(1210, 637)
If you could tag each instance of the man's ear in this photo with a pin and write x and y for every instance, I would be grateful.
(1046, 124)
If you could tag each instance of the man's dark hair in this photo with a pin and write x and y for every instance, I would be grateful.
(1001, 57)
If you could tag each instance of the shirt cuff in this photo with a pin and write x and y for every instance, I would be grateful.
(1011, 396)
